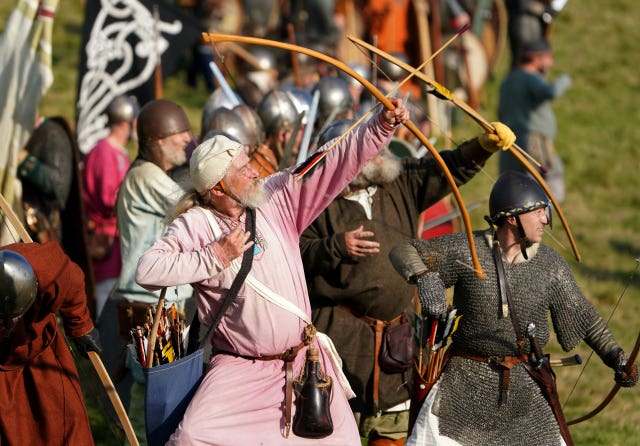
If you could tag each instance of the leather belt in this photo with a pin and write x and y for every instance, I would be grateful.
(505, 362)
(288, 356)
(378, 327)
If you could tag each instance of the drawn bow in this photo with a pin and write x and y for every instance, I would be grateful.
(444, 93)
(614, 390)
(214, 37)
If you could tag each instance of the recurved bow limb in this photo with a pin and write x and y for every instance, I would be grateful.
(214, 37)
(486, 125)
(614, 390)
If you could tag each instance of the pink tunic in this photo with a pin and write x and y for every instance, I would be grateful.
(104, 169)
(241, 401)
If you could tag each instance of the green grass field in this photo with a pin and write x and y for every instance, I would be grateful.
(597, 44)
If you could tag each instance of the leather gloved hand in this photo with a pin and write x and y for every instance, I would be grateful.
(502, 139)
(625, 379)
(89, 342)
(432, 294)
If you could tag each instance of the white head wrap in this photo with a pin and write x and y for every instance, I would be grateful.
(211, 159)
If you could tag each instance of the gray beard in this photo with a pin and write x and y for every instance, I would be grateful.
(378, 174)
(253, 197)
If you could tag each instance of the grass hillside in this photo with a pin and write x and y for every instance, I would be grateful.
(597, 43)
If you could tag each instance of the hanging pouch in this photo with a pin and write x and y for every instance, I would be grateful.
(397, 348)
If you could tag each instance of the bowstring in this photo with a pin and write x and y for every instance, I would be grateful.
(446, 135)
(223, 62)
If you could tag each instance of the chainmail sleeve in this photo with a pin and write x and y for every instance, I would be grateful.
(571, 313)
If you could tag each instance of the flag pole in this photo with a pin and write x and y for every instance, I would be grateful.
(157, 74)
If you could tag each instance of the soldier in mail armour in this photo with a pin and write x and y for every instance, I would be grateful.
(469, 403)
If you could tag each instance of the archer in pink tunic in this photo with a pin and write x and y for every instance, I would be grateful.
(241, 401)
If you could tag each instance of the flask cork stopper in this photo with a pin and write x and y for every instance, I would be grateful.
(313, 354)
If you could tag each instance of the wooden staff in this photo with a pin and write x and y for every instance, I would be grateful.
(295, 63)
(474, 102)
(436, 38)
(114, 398)
(424, 39)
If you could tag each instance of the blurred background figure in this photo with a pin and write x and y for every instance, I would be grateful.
(529, 20)
(283, 127)
(52, 207)
(525, 105)
(147, 195)
(104, 169)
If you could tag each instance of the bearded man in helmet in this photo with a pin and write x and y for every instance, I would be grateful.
(41, 398)
(146, 197)
(104, 169)
(283, 127)
(352, 285)
(488, 392)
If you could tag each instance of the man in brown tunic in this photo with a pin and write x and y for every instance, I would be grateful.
(351, 282)
(40, 391)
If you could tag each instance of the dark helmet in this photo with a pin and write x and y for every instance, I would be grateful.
(227, 121)
(18, 285)
(277, 112)
(252, 122)
(335, 97)
(161, 118)
(515, 193)
(122, 109)
(335, 129)
(392, 71)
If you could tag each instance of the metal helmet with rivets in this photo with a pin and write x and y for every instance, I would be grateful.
(390, 70)
(301, 100)
(335, 129)
(252, 122)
